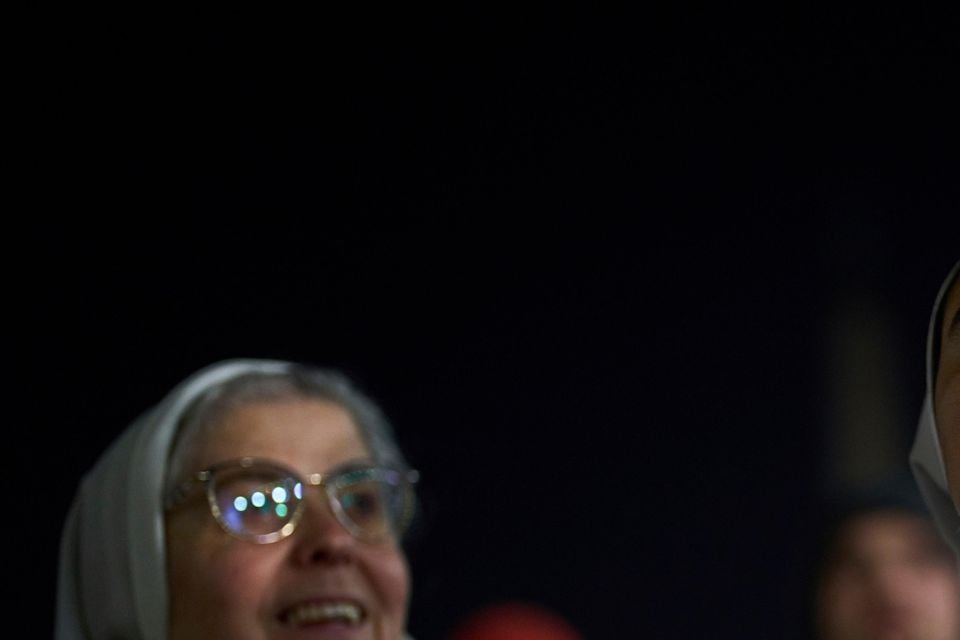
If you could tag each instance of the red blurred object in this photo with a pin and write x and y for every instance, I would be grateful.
(515, 621)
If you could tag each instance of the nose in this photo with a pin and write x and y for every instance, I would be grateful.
(319, 537)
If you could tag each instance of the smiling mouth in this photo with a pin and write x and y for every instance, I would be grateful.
(342, 612)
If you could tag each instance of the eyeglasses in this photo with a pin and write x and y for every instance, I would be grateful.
(261, 501)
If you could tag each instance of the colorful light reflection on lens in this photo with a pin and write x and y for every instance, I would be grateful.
(298, 491)
(240, 503)
(258, 499)
(279, 495)
(281, 510)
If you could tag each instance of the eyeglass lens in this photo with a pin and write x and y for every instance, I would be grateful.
(256, 501)
(371, 499)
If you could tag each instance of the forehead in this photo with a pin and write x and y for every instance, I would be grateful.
(309, 435)
(885, 532)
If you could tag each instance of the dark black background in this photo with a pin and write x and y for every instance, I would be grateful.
(586, 260)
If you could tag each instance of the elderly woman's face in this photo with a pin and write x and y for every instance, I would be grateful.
(224, 587)
(947, 390)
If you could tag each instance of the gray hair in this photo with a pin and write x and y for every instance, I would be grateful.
(297, 382)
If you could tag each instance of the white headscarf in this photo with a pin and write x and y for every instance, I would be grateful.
(926, 457)
(112, 577)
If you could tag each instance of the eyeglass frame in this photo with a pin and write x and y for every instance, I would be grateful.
(181, 492)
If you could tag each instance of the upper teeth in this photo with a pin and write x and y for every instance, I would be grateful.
(326, 612)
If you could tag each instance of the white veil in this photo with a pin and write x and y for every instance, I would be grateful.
(926, 457)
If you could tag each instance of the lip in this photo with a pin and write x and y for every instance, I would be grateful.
(338, 628)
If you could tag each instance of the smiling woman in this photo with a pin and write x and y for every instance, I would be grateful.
(259, 500)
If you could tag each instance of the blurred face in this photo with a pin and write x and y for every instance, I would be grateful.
(947, 390)
(224, 587)
(890, 578)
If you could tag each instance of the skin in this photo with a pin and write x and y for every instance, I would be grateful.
(890, 578)
(947, 391)
(223, 587)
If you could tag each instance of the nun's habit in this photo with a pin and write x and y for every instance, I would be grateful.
(926, 457)
(112, 581)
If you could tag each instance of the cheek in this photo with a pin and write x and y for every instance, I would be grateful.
(217, 587)
(390, 576)
(941, 597)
